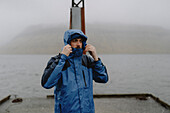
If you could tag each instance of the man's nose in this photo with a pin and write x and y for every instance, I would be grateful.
(78, 43)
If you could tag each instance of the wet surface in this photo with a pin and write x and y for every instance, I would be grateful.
(102, 105)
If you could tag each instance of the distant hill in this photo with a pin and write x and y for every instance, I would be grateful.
(107, 38)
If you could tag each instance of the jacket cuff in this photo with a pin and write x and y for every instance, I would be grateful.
(64, 57)
(99, 62)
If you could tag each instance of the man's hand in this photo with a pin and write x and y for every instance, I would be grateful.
(67, 50)
(92, 50)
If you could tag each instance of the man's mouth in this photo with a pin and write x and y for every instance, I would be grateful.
(78, 47)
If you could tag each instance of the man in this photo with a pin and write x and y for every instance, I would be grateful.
(72, 74)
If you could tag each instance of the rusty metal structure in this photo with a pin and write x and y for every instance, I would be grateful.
(77, 15)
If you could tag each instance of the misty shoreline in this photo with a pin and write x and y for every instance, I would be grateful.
(107, 38)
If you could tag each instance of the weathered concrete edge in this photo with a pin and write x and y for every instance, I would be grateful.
(142, 96)
(5, 99)
(137, 96)
(164, 104)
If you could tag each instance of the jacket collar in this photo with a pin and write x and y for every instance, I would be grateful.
(76, 52)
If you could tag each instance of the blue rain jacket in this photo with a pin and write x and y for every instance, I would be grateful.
(72, 78)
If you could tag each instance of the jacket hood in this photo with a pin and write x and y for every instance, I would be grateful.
(74, 33)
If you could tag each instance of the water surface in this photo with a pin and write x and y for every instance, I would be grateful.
(138, 73)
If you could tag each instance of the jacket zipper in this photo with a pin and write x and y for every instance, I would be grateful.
(84, 79)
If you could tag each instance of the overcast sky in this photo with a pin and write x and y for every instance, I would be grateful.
(16, 15)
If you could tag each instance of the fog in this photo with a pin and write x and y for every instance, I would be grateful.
(16, 15)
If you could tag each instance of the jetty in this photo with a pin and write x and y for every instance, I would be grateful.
(104, 103)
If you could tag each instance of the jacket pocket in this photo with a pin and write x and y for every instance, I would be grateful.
(84, 79)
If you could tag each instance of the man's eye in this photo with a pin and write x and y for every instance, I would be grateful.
(74, 40)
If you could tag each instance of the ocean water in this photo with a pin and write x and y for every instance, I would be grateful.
(128, 73)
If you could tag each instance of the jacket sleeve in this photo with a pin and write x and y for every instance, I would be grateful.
(52, 72)
(99, 72)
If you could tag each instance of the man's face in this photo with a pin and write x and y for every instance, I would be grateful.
(76, 43)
